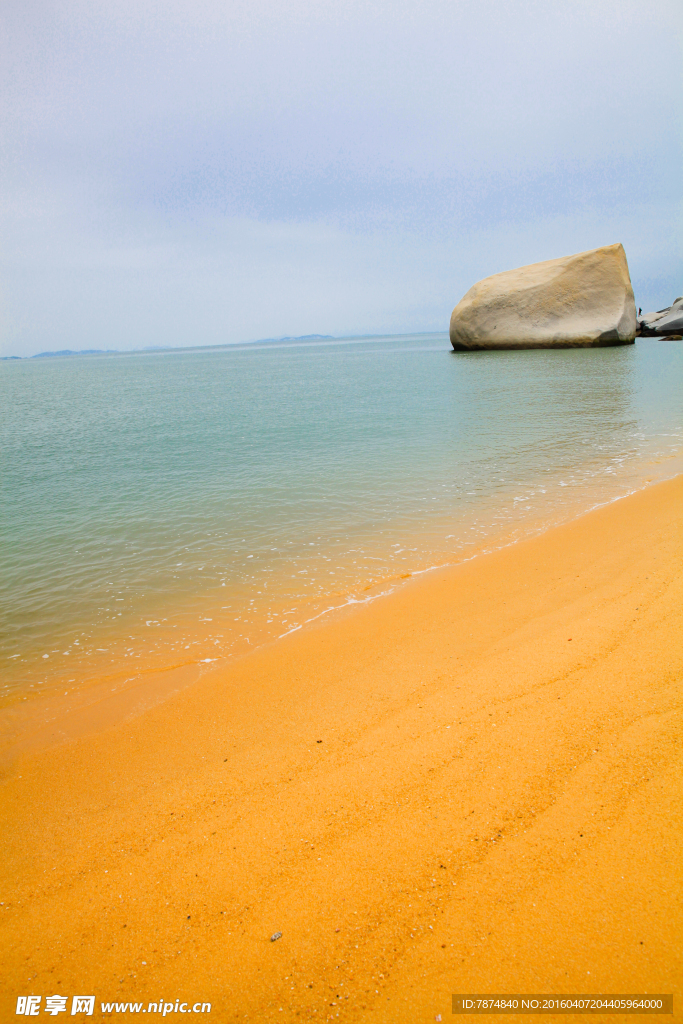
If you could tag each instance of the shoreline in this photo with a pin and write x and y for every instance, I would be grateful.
(108, 595)
(471, 785)
(110, 694)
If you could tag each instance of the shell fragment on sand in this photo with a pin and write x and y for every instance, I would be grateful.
(585, 300)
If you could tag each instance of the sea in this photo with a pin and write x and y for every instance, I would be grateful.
(183, 507)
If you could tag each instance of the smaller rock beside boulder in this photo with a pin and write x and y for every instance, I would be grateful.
(664, 323)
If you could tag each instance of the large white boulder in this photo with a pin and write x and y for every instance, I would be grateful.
(584, 300)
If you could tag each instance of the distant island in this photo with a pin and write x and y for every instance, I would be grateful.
(70, 352)
(164, 348)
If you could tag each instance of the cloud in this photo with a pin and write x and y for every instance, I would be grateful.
(192, 173)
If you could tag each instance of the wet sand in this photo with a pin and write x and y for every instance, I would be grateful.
(472, 785)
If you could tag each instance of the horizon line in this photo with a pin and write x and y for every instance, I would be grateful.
(159, 349)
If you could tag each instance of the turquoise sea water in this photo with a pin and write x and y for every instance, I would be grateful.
(186, 504)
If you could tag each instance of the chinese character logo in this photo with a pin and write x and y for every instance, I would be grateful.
(83, 1004)
(55, 1005)
(28, 1005)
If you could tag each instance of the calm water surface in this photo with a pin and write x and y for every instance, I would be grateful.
(183, 505)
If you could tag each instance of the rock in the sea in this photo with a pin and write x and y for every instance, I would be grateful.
(584, 300)
(664, 322)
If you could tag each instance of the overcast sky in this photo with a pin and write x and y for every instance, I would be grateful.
(192, 172)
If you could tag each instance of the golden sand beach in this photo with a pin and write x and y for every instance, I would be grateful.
(472, 785)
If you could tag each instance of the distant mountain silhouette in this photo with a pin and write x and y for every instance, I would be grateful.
(82, 352)
(163, 348)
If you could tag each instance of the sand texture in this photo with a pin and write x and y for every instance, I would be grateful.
(471, 785)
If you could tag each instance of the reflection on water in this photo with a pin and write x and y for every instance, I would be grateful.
(182, 506)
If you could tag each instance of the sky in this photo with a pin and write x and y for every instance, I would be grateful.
(200, 173)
